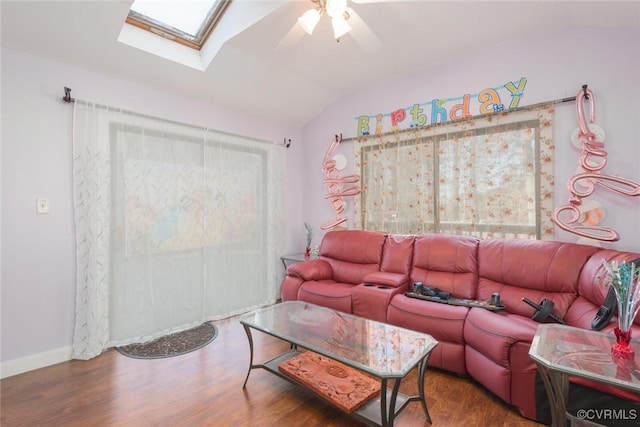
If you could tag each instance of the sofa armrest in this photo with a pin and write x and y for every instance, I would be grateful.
(387, 278)
(316, 269)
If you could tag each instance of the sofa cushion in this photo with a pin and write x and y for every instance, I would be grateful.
(448, 262)
(484, 370)
(334, 295)
(493, 334)
(356, 246)
(316, 269)
(442, 321)
(397, 254)
(352, 254)
(592, 290)
(535, 269)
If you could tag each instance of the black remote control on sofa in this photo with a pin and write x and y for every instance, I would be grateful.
(605, 312)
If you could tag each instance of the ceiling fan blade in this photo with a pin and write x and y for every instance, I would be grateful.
(293, 37)
(362, 34)
(380, 1)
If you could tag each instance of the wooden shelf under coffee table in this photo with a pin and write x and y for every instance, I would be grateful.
(380, 350)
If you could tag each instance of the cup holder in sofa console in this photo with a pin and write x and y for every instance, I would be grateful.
(373, 285)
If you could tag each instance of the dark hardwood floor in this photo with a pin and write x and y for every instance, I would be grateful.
(204, 388)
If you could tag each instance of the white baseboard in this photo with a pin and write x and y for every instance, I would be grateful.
(35, 361)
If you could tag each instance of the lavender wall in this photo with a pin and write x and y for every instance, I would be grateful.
(38, 267)
(38, 285)
(556, 66)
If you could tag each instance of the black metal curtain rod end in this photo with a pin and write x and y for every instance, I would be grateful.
(67, 95)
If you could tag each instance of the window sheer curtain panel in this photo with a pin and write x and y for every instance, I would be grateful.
(175, 225)
(487, 176)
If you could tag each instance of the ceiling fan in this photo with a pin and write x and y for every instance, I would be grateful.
(344, 20)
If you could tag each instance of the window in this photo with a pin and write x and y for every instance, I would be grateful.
(490, 176)
(166, 215)
(185, 22)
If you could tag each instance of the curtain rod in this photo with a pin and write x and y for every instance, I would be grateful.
(476, 117)
(68, 99)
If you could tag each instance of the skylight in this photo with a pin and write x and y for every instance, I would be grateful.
(188, 22)
(164, 28)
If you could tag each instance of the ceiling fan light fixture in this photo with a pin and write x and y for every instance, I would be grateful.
(340, 27)
(336, 8)
(309, 20)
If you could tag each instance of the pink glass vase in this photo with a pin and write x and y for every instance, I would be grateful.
(625, 280)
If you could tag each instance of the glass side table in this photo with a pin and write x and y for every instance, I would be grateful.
(287, 260)
(561, 351)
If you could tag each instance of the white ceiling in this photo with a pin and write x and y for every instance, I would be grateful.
(294, 85)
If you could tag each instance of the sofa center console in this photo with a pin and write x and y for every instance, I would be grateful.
(457, 301)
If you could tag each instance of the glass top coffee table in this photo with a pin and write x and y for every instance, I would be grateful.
(380, 350)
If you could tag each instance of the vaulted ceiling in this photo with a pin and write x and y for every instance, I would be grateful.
(294, 85)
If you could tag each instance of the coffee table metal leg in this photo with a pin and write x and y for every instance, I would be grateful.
(383, 403)
(394, 397)
(248, 331)
(422, 368)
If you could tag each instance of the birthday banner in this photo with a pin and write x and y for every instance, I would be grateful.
(439, 111)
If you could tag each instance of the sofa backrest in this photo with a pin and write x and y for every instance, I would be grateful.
(397, 254)
(352, 254)
(535, 269)
(446, 261)
(592, 287)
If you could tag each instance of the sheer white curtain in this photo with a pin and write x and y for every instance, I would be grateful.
(175, 225)
(487, 176)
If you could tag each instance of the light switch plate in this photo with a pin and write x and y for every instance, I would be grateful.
(42, 206)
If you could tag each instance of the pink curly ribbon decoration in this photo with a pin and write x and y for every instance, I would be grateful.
(335, 192)
(592, 160)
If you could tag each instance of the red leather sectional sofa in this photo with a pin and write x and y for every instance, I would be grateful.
(367, 273)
